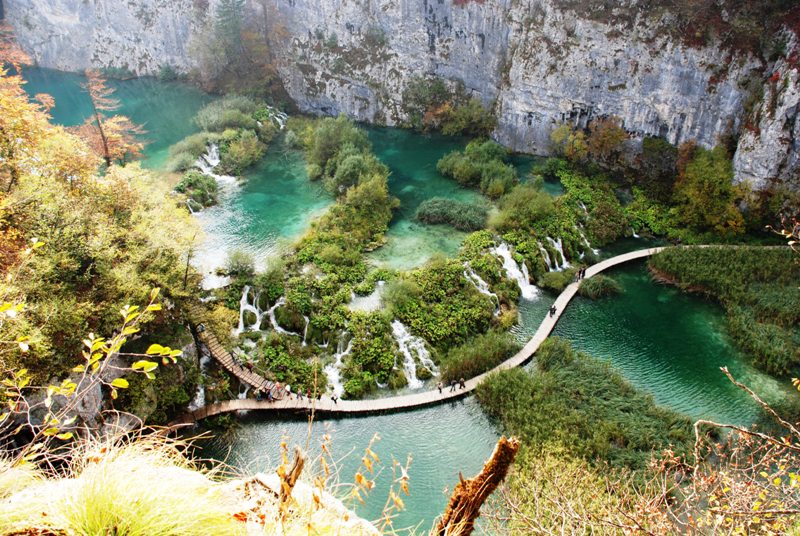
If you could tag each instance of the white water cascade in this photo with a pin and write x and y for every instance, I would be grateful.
(520, 275)
(587, 244)
(482, 286)
(249, 303)
(411, 346)
(559, 247)
(199, 399)
(369, 303)
(334, 370)
(546, 256)
(305, 330)
(210, 160)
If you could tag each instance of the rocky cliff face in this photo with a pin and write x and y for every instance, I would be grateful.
(538, 64)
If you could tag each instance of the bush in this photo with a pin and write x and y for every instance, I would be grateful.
(599, 286)
(477, 355)
(232, 111)
(200, 188)
(557, 281)
(462, 216)
(240, 264)
(241, 152)
(481, 164)
(523, 208)
(583, 405)
(469, 119)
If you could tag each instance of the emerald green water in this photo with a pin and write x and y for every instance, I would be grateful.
(164, 109)
(666, 343)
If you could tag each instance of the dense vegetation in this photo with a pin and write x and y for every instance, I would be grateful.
(78, 246)
(481, 164)
(477, 355)
(583, 406)
(757, 287)
(599, 286)
(437, 303)
(201, 190)
(241, 127)
(462, 216)
(435, 104)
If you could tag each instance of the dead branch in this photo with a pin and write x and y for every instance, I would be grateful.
(469, 495)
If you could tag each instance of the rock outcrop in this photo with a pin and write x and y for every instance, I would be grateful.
(538, 64)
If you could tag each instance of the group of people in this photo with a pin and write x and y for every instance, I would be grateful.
(263, 392)
(461, 383)
(580, 274)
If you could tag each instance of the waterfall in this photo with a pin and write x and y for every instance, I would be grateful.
(411, 346)
(246, 305)
(333, 371)
(481, 285)
(189, 206)
(633, 234)
(305, 330)
(546, 256)
(199, 399)
(243, 394)
(529, 292)
(271, 312)
(559, 247)
(586, 242)
(583, 206)
(369, 303)
(210, 160)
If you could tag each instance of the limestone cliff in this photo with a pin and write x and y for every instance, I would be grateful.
(538, 63)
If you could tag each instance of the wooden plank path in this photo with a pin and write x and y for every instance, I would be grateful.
(226, 359)
(404, 402)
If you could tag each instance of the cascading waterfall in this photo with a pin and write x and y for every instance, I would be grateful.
(305, 330)
(210, 160)
(249, 303)
(411, 346)
(369, 303)
(481, 285)
(520, 275)
(199, 399)
(243, 394)
(559, 247)
(546, 256)
(586, 242)
(334, 370)
(583, 207)
(245, 306)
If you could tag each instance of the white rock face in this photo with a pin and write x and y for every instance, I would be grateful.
(540, 65)
(72, 35)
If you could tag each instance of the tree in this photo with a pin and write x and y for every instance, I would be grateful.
(605, 141)
(113, 137)
(705, 196)
(569, 143)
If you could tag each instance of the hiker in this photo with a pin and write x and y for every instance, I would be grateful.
(308, 394)
(269, 395)
(461, 383)
(288, 390)
(439, 386)
(334, 398)
(553, 311)
(452, 386)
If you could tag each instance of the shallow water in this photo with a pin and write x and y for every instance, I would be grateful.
(164, 109)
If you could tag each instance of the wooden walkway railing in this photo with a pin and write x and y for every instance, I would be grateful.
(226, 359)
(415, 400)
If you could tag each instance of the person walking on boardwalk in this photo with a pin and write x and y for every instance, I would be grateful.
(334, 398)
(288, 391)
(461, 383)
(552, 311)
(452, 386)
(439, 386)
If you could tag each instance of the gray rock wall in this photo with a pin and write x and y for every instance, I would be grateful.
(538, 64)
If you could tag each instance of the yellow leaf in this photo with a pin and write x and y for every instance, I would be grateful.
(122, 383)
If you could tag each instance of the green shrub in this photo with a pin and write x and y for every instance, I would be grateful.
(462, 216)
(557, 281)
(232, 111)
(469, 119)
(477, 355)
(241, 152)
(599, 286)
(482, 164)
(200, 188)
(239, 263)
(583, 405)
(523, 207)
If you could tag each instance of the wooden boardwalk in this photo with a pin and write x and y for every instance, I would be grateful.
(394, 403)
(226, 359)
